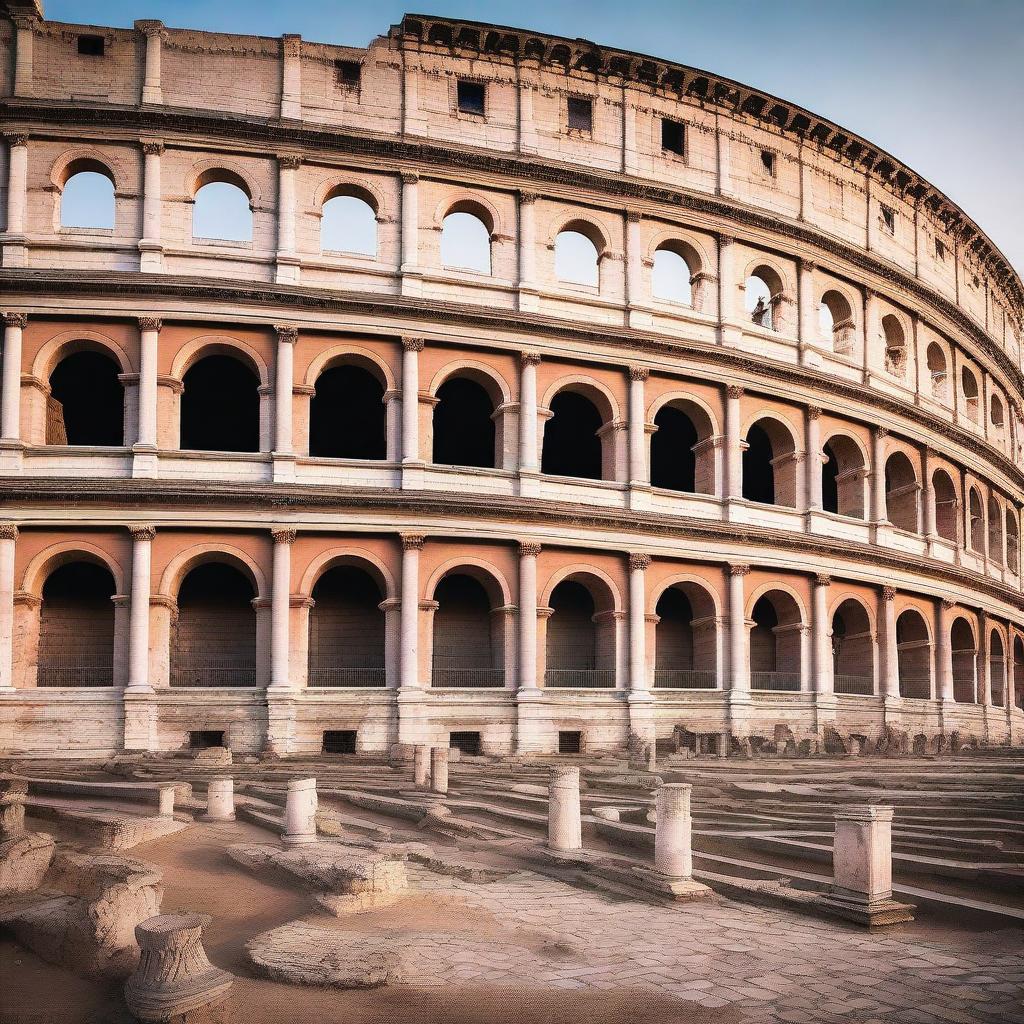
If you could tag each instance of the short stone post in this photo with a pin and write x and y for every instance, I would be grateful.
(421, 764)
(300, 813)
(13, 793)
(174, 977)
(672, 830)
(220, 800)
(862, 867)
(439, 770)
(565, 831)
(167, 794)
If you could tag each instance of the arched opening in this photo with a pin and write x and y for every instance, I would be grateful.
(996, 414)
(997, 669)
(464, 432)
(946, 506)
(680, 458)
(937, 371)
(965, 661)
(843, 475)
(914, 655)
(762, 291)
(76, 627)
(468, 635)
(853, 649)
(572, 445)
(577, 258)
(1012, 542)
(87, 198)
(346, 629)
(213, 642)
(995, 531)
(579, 651)
(901, 492)
(465, 242)
(769, 465)
(671, 275)
(86, 402)
(222, 209)
(348, 224)
(895, 346)
(685, 639)
(1018, 672)
(347, 418)
(220, 406)
(976, 512)
(969, 386)
(835, 323)
(775, 642)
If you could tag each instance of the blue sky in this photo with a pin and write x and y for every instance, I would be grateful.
(938, 83)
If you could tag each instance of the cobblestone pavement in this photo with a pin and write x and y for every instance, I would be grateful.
(771, 965)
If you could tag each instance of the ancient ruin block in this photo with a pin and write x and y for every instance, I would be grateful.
(439, 770)
(12, 807)
(564, 825)
(672, 855)
(220, 800)
(421, 764)
(300, 813)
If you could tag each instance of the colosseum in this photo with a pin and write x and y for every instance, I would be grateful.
(493, 388)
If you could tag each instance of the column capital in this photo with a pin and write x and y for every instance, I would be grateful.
(947, 604)
(142, 531)
(529, 358)
(814, 412)
(881, 432)
(150, 323)
(822, 579)
(734, 391)
(725, 239)
(24, 19)
(287, 333)
(289, 161)
(640, 373)
(152, 147)
(8, 531)
(14, 139)
(738, 569)
(16, 320)
(412, 541)
(413, 344)
(283, 535)
(149, 26)
(888, 593)
(638, 560)
(633, 216)
(525, 198)
(808, 265)
(529, 549)
(410, 177)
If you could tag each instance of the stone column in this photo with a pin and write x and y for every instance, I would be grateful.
(807, 318)
(927, 497)
(739, 671)
(10, 392)
(890, 650)
(565, 830)
(634, 288)
(24, 29)
(529, 457)
(284, 382)
(439, 770)
(815, 458)
(528, 552)
(985, 649)
(879, 513)
(672, 831)
(154, 33)
(821, 640)
(15, 249)
(411, 349)
(733, 443)
(729, 333)
(638, 475)
(287, 260)
(638, 565)
(527, 251)
(300, 813)
(291, 76)
(8, 542)
(410, 270)
(144, 451)
(138, 618)
(220, 800)
(944, 652)
(421, 764)
(280, 608)
(412, 544)
(151, 249)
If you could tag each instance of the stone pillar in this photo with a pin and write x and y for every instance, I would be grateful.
(815, 458)
(421, 764)
(10, 390)
(291, 76)
(439, 770)
(8, 543)
(284, 446)
(729, 333)
(565, 830)
(280, 608)
(174, 978)
(529, 458)
(154, 33)
(144, 451)
(411, 349)
(220, 800)
(15, 250)
(944, 652)
(739, 671)
(287, 260)
(410, 271)
(733, 443)
(927, 497)
(300, 813)
(412, 544)
(527, 251)
(634, 288)
(821, 640)
(638, 565)
(879, 513)
(138, 620)
(672, 831)
(807, 318)
(638, 475)
(151, 249)
(24, 28)
(528, 552)
(890, 650)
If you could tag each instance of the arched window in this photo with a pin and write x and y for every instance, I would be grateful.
(222, 208)
(976, 512)
(843, 477)
(465, 242)
(996, 414)
(965, 659)
(937, 371)
(86, 402)
(670, 276)
(835, 323)
(946, 506)
(1018, 672)
(685, 644)
(676, 464)
(348, 224)
(997, 669)
(895, 346)
(214, 638)
(1012, 541)
(464, 433)
(87, 198)
(901, 491)
(769, 465)
(577, 258)
(995, 531)
(969, 386)
(760, 300)
(76, 627)
(347, 415)
(914, 655)
(853, 654)
(775, 643)
(346, 629)
(220, 406)
(468, 641)
(572, 446)
(579, 653)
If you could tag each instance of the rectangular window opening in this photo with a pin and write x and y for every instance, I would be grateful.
(581, 113)
(339, 741)
(768, 162)
(471, 96)
(91, 46)
(673, 136)
(467, 743)
(348, 72)
(203, 739)
(889, 219)
(570, 742)
(940, 249)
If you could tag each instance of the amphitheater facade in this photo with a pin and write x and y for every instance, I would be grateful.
(716, 433)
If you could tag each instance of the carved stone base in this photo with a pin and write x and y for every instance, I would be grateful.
(879, 914)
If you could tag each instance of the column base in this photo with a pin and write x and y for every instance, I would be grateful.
(280, 738)
(640, 496)
(531, 722)
(529, 299)
(11, 455)
(15, 252)
(152, 94)
(284, 467)
(140, 719)
(641, 715)
(739, 707)
(412, 281)
(288, 267)
(871, 913)
(151, 257)
(412, 476)
(529, 483)
(145, 461)
(824, 710)
(411, 703)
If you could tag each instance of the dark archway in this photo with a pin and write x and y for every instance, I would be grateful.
(853, 650)
(220, 406)
(467, 637)
(758, 471)
(571, 443)
(673, 461)
(578, 653)
(464, 425)
(965, 661)
(86, 404)
(775, 656)
(346, 630)
(914, 655)
(347, 418)
(685, 640)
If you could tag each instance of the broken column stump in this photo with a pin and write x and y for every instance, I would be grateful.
(24, 856)
(439, 770)
(565, 831)
(300, 813)
(673, 856)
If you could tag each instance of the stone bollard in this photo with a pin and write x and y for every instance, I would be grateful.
(672, 855)
(220, 800)
(174, 978)
(300, 813)
(421, 764)
(167, 794)
(564, 828)
(862, 867)
(439, 770)
(13, 793)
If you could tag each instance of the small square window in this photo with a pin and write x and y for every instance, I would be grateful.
(339, 741)
(349, 72)
(768, 162)
(471, 97)
(570, 742)
(467, 743)
(673, 136)
(940, 249)
(581, 113)
(91, 46)
(889, 219)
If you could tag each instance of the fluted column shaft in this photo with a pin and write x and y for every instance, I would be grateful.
(528, 553)
(739, 673)
(138, 609)
(411, 349)
(637, 437)
(638, 565)
(280, 609)
(412, 544)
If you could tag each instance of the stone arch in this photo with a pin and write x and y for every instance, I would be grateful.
(200, 554)
(963, 643)
(765, 287)
(976, 518)
(895, 337)
(902, 491)
(686, 633)
(995, 530)
(333, 186)
(486, 376)
(947, 505)
(853, 645)
(341, 355)
(776, 637)
(837, 322)
(473, 203)
(64, 552)
(66, 343)
(347, 414)
(997, 660)
(86, 158)
(682, 455)
(914, 653)
(691, 292)
(580, 640)
(569, 446)
(601, 585)
(357, 558)
(770, 460)
(219, 344)
(217, 169)
(590, 229)
(844, 474)
(938, 371)
(971, 392)
(488, 575)
(1012, 539)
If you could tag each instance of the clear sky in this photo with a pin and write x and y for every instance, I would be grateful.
(938, 83)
